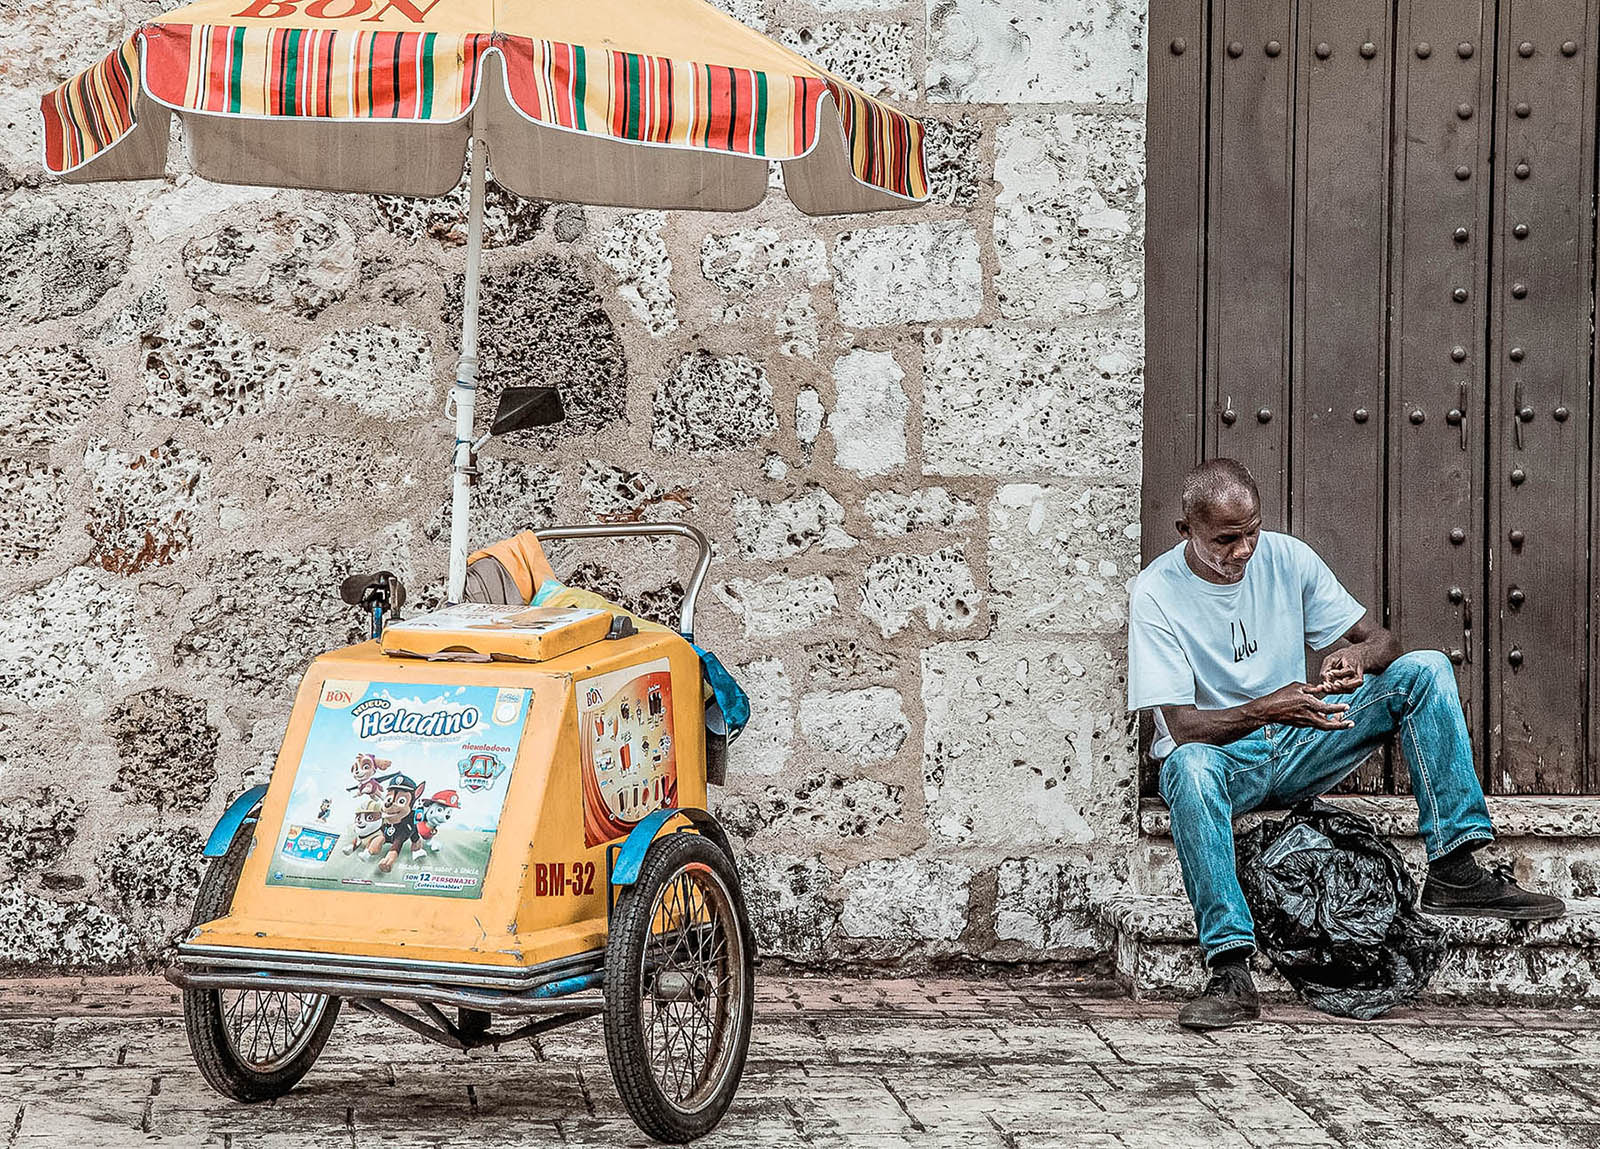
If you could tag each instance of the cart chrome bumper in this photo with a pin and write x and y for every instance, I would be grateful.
(556, 987)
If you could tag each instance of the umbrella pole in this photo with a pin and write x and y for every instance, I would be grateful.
(466, 386)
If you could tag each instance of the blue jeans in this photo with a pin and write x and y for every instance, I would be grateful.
(1205, 785)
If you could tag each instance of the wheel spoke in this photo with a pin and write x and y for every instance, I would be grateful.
(688, 987)
(267, 1028)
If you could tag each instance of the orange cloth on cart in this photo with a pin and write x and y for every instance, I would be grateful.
(524, 560)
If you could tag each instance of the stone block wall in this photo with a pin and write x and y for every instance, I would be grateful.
(914, 436)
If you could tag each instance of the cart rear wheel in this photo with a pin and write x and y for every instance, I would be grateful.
(680, 988)
(251, 1045)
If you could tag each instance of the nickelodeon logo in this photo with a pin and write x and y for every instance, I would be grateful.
(336, 10)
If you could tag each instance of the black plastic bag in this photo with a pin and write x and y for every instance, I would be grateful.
(1336, 911)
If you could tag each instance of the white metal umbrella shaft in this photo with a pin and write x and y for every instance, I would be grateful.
(466, 385)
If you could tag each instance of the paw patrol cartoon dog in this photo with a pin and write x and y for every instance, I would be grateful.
(368, 822)
(433, 813)
(365, 770)
(399, 823)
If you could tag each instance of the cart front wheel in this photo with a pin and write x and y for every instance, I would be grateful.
(251, 1045)
(680, 988)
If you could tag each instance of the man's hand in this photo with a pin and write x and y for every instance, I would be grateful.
(1301, 704)
(1342, 671)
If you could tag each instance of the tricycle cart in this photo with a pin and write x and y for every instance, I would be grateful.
(525, 841)
(575, 871)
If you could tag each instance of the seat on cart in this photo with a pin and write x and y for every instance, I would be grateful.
(515, 570)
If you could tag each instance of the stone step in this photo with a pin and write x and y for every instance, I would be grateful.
(1552, 844)
(1548, 963)
(1396, 815)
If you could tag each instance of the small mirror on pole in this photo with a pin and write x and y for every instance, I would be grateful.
(523, 408)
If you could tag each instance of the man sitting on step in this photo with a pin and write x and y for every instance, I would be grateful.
(1217, 631)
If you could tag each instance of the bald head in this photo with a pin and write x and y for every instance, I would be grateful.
(1219, 487)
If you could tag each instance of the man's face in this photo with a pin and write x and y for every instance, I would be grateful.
(1222, 539)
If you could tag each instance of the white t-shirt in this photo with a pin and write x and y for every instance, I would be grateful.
(1208, 645)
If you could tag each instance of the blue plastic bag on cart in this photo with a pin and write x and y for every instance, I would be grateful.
(730, 704)
(726, 714)
(1336, 911)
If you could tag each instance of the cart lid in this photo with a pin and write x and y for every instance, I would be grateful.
(485, 632)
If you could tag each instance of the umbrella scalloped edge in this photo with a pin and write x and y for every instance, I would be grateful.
(412, 77)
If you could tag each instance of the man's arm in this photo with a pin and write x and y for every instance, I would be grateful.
(1370, 651)
(1298, 704)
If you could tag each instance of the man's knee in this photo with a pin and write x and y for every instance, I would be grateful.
(1423, 667)
(1192, 769)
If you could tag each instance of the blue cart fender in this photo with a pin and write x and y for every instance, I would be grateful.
(630, 855)
(232, 818)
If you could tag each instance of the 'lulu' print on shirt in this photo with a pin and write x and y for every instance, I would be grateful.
(1243, 647)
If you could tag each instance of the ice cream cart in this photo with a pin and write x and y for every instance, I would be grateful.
(491, 822)
(557, 754)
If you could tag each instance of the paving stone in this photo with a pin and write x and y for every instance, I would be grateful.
(46, 393)
(544, 315)
(907, 273)
(59, 255)
(146, 505)
(1035, 51)
(66, 634)
(711, 403)
(1069, 218)
(1009, 402)
(299, 262)
(868, 422)
(633, 249)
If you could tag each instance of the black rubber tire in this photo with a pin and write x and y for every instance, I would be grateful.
(203, 1008)
(626, 1048)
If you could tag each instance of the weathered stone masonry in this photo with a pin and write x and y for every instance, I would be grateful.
(915, 438)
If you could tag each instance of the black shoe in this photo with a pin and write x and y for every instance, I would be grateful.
(1229, 998)
(1492, 894)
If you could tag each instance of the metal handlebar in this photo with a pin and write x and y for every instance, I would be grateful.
(648, 530)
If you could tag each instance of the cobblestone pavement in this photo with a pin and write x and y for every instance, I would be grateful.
(1008, 1064)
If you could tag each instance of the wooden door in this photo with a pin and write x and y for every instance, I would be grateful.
(1371, 277)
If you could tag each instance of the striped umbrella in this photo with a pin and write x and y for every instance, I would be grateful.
(631, 103)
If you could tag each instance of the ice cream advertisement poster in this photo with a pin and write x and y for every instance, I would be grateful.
(400, 788)
(630, 760)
